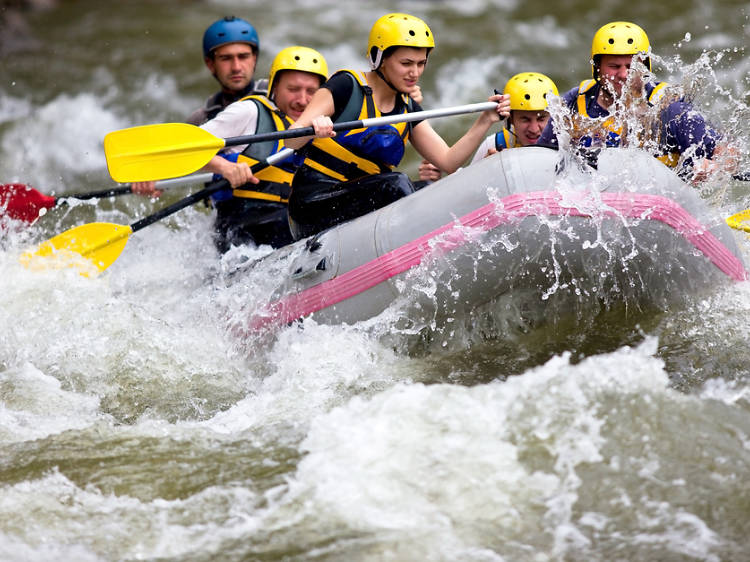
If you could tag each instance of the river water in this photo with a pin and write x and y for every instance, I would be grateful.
(135, 426)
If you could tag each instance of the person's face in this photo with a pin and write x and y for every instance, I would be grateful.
(613, 72)
(293, 90)
(528, 125)
(404, 67)
(233, 66)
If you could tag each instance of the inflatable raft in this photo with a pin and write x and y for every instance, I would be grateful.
(520, 222)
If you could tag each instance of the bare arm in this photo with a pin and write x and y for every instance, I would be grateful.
(236, 173)
(320, 106)
(433, 148)
(429, 172)
(239, 118)
(145, 188)
(725, 158)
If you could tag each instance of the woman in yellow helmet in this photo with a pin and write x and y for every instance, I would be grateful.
(681, 130)
(255, 210)
(347, 175)
(529, 92)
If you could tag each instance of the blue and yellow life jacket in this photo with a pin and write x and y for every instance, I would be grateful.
(360, 152)
(276, 181)
(654, 92)
(505, 139)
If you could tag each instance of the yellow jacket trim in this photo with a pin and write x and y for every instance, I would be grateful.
(657, 93)
(271, 173)
(323, 170)
(275, 181)
(670, 159)
(249, 194)
(584, 87)
(607, 124)
(364, 113)
(325, 154)
(281, 124)
(343, 154)
(510, 139)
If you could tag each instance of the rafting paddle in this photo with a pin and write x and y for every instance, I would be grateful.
(22, 202)
(740, 221)
(101, 243)
(154, 152)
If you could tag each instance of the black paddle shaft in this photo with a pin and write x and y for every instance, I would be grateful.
(198, 195)
(111, 192)
(181, 204)
(288, 134)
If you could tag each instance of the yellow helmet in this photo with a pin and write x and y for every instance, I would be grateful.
(397, 30)
(304, 59)
(619, 38)
(528, 91)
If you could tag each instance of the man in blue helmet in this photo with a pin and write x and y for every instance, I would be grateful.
(230, 51)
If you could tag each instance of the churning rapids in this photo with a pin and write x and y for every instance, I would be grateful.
(136, 424)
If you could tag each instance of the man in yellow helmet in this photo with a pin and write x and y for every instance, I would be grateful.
(256, 209)
(528, 93)
(680, 132)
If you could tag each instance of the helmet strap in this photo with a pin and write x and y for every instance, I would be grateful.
(388, 82)
(375, 62)
(596, 65)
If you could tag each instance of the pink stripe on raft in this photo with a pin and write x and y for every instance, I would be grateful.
(509, 209)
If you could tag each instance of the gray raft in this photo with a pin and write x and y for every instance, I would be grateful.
(520, 222)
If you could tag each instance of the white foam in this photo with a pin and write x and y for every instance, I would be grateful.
(35, 406)
(12, 108)
(435, 461)
(309, 372)
(109, 526)
(77, 122)
(144, 325)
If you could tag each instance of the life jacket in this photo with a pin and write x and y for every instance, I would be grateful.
(654, 93)
(360, 152)
(220, 100)
(505, 139)
(275, 184)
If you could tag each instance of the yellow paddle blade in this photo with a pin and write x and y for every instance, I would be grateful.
(740, 221)
(157, 152)
(89, 248)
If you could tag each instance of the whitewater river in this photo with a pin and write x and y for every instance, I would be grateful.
(134, 424)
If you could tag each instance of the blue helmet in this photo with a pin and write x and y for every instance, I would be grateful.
(229, 29)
